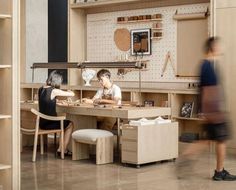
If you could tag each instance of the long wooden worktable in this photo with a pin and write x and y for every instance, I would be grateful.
(124, 112)
(84, 115)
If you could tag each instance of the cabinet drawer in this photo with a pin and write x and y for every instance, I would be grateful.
(129, 145)
(129, 132)
(129, 157)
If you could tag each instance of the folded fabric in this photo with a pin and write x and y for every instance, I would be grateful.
(144, 121)
(160, 120)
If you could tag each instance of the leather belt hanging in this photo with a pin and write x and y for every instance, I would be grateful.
(168, 59)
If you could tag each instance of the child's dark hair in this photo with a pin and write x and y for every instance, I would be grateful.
(209, 44)
(54, 79)
(103, 72)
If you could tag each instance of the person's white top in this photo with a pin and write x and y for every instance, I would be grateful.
(112, 93)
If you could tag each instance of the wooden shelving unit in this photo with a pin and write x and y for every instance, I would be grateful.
(9, 96)
(157, 30)
(186, 124)
(77, 52)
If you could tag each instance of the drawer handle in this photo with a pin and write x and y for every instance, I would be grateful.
(129, 127)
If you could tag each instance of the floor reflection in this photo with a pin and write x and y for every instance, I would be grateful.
(50, 173)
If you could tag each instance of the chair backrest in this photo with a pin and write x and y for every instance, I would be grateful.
(30, 121)
(47, 117)
(27, 122)
(38, 114)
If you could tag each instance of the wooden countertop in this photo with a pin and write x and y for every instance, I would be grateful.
(125, 112)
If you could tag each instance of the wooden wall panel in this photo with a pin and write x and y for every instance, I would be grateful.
(225, 3)
(226, 17)
(191, 36)
(22, 42)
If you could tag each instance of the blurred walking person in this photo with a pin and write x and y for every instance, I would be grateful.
(215, 122)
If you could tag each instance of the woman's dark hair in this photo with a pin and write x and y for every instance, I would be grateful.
(209, 45)
(103, 72)
(54, 79)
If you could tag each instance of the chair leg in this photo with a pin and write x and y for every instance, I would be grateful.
(35, 147)
(41, 144)
(55, 144)
(21, 145)
(104, 150)
(62, 145)
(45, 138)
(79, 150)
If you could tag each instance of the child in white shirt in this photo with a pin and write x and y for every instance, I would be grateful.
(109, 93)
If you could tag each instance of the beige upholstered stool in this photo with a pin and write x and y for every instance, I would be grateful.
(81, 139)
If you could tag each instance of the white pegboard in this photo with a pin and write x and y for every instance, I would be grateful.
(101, 46)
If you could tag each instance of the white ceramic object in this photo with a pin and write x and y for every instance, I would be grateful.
(87, 75)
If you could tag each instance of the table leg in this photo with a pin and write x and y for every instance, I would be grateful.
(118, 138)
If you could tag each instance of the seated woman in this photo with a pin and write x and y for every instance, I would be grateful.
(109, 93)
(47, 95)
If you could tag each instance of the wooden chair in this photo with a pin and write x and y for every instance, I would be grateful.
(37, 131)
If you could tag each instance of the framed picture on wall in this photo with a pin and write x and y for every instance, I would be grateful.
(141, 41)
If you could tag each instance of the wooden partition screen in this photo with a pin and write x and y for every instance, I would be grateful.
(191, 35)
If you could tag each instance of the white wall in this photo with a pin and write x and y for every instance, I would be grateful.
(36, 38)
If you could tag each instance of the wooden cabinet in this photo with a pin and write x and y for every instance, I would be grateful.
(151, 143)
(9, 96)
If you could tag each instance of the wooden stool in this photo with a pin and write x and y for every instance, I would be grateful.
(81, 139)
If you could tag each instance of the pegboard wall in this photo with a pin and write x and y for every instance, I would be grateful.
(101, 45)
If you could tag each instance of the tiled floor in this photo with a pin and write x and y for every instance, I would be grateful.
(49, 173)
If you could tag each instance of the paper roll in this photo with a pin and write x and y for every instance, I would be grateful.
(190, 16)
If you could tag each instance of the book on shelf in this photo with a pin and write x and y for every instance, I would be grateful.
(187, 109)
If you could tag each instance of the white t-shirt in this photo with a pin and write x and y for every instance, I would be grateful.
(111, 93)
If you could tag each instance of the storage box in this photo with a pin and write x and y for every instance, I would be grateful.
(149, 143)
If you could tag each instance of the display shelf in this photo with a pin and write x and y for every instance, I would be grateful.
(156, 38)
(157, 28)
(4, 167)
(5, 116)
(5, 66)
(188, 118)
(138, 21)
(5, 16)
